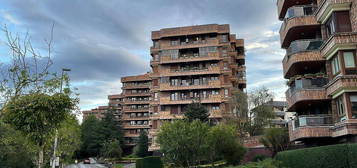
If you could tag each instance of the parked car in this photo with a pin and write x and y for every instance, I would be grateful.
(86, 161)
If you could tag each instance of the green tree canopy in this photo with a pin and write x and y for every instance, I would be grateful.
(111, 149)
(142, 146)
(276, 139)
(91, 137)
(196, 111)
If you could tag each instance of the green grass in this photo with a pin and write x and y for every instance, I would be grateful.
(118, 166)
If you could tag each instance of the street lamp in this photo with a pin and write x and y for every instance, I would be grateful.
(56, 136)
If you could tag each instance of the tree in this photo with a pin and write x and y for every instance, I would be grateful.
(142, 146)
(276, 139)
(110, 128)
(15, 149)
(223, 143)
(111, 149)
(37, 115)
(183, 143)
(196, 111)
(68, 140)
(251, 114)
(91, 137)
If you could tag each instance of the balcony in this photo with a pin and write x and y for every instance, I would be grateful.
(306, 91)
(189, 44)
(328, 6)
(209, 85)
(191, 71)
(239, 42)
(300, 54)
(284, 5)
(300, 23)
(310, 126)
(188, 100)
(128, 109)
(190, 58)
(127, 134)
(134, 118)
(138, 86)
(190, 30)
(127, 102)
(128, 126)
(137, 94)
(341, 83)
(338, 41)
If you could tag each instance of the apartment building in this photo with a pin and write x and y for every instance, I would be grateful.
(136, 99)
(98, 112)
(320, 38)
(114, 106)
(196, 63)
(281, 116)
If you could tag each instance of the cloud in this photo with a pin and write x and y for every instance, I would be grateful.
(101, 41)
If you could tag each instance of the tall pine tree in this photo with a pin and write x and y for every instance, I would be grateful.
(196, 111)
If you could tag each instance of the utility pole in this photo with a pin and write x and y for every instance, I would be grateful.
(56, 135)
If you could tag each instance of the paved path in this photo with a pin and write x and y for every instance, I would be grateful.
(81, 165)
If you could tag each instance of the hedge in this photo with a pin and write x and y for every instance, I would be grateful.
(333, 156)
(149, 162)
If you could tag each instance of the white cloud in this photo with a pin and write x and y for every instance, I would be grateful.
(10, 18)
(256, 45)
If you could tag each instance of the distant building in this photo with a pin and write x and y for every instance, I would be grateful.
(281, 116)
(97, 112)
(195, 63)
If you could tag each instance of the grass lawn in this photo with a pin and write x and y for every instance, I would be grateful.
(118, 166)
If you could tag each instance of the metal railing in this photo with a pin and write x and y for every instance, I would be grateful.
(303, 10)
(301, 84)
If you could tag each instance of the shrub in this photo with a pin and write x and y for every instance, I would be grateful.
(333, 156)
(259, 157)
(150, 161)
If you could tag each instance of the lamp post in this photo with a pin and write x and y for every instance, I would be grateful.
(56, 135)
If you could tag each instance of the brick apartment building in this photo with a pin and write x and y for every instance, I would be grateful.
(196, 63)
(136, 102)
(320, 38)
(114, 106)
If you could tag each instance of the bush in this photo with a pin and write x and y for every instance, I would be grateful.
(333, 156)
(258, 158)
(151, 161)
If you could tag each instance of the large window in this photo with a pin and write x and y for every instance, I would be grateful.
(338, 22)
(335, 63)
(353, 99)
(349, 59)
(340, 106)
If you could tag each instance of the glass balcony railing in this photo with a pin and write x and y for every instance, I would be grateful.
(303, 45)
(313, 120)
(304, 83)
(297, 11)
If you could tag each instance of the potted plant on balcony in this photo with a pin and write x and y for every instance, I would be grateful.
(290, 81)
(297, 77)
(320, 75)
(309, 76)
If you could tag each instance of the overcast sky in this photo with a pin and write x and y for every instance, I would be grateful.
(103, 40)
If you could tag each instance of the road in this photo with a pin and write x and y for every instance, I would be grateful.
(93, 164)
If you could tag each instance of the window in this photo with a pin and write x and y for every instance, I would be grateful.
(174, 82)
(349, 59)
(215, 107)
(225, 66)
(156, 44)
(215, 92)
(156, 96)
(340, 106)
(225, 92)
(335, 63)
(224, 38)
(174, 42)
(353, 100)
(338, 22)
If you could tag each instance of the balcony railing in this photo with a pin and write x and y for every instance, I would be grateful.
(303, 45)
(297, 11)
(301, 84)
(313, 121)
